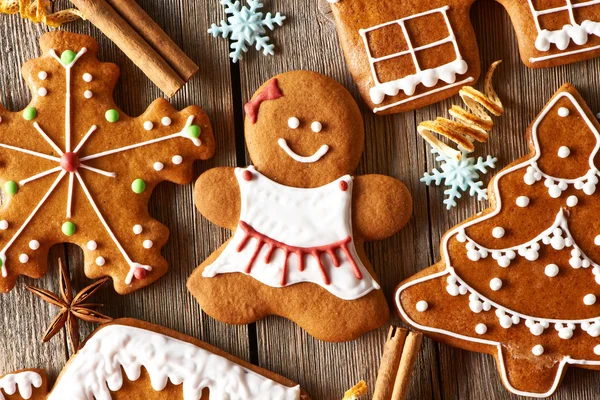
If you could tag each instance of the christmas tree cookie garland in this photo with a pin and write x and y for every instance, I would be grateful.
(520, 281)
(74, 168)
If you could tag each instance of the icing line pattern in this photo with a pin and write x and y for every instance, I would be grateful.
(23, 382)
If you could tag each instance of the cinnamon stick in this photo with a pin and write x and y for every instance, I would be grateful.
(156, 37)
(105, 18)
(390, 361)
(407, 364)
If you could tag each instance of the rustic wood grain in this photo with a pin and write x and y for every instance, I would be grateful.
(307, 40)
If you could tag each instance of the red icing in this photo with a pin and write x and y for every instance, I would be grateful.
(247, 175)
(343, 186)
(271, 91)
(140, 273)
(299, 251)
(69, 162)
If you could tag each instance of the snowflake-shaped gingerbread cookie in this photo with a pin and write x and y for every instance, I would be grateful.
(74, 168)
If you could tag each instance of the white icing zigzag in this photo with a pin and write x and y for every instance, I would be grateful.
(24, 382)
(96, 369)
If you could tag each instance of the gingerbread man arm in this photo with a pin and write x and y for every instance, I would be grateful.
(381, 207)
(213, 189)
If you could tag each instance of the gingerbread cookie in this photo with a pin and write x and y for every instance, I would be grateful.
(555, 32)
(520, 280)
(299, 217)
(407, 56)
(130, 359)
(74, 168)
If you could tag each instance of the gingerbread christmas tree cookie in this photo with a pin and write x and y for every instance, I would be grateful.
(75, 168)
(298, 216)
(521, 280)
(406, 56)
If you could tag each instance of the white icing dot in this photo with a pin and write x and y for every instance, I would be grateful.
(589, 299)
(551, 270)
(564, 152)
(87, 77)
(597, 240)
(316, 127)
(597, 350)
(43, 75)
(23, 258)
(158, 166)
(148, 244)
(177, 160)
(496, 284)
(42, 91)
(506, 322)
(294, 123)
(92, 245)
(34, 245)
(100, 261)
(563, 112)
(481, 329)
(422, 306)
(4, 224)
(572, 201)
(522, 201)
(538, 350)
(88, 94)
(498, 232)
(148, 125)
(137, 229)
(166, 121)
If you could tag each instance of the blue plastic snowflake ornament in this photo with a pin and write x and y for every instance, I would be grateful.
(246, 26)
(460, 176)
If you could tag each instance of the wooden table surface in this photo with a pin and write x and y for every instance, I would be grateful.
(308, 40)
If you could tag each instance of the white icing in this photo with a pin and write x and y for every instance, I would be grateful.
(563, 112)
(572, 201)
(42, 92)
(43, 75)
(87, 77)
(137, 229)
(498, 232)
(4, 225)
(96, 369)
(428, 78)
(88, 94)
(148, 125)
(496, 284)
(551, 270)
(92, 245)
(158, 166)
(537, 350)
(304, 218)
(589, 299)
(148, 244)
(177, 160)
(316, 127)
(34, 245)
(307, 160)
(166, 121)
(100, 261)
(481, 329)
(597, 350)
(422, 306)
(522, 201)
(564, 152)
(24, 382)
(293, 123)
(23, 258)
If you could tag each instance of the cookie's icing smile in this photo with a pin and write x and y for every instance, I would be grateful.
(310, 159)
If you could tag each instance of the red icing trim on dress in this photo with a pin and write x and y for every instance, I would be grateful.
(300, 252)
(271, 91)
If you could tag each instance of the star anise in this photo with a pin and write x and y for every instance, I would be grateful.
(71, 308)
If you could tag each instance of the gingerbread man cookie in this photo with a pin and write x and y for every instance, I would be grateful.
(299, 218)
(520, 281)
(74, 168)
(555, 32)
(407, 56)
(130, 359)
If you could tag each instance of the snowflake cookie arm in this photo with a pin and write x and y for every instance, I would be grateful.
(213, 189)
(381, 206)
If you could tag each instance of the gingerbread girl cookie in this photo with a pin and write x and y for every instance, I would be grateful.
(520, 281)
(407, 56)
(74, 168)
(299, 218)
(129, 359)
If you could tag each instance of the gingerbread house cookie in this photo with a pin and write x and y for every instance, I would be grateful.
(555, 32)
(521, 280)
(406, 56)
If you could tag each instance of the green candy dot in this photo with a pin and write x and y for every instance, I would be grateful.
(112, 115)
(138, 186)
(67, 57)
(1, 263)
(69, 228)
(11, 188)
(194, 131)
(29, 113)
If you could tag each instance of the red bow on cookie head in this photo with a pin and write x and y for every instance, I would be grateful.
(271, 91)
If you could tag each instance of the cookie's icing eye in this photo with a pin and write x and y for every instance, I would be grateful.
(316, 127)
(294, 123)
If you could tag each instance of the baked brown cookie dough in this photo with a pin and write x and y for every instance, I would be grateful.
(130, 359)
(75, 168)
(555, 32)
(407, 55)
(299, 218)
(519, 281)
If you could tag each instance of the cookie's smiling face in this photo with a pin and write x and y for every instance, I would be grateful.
(304, 130)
